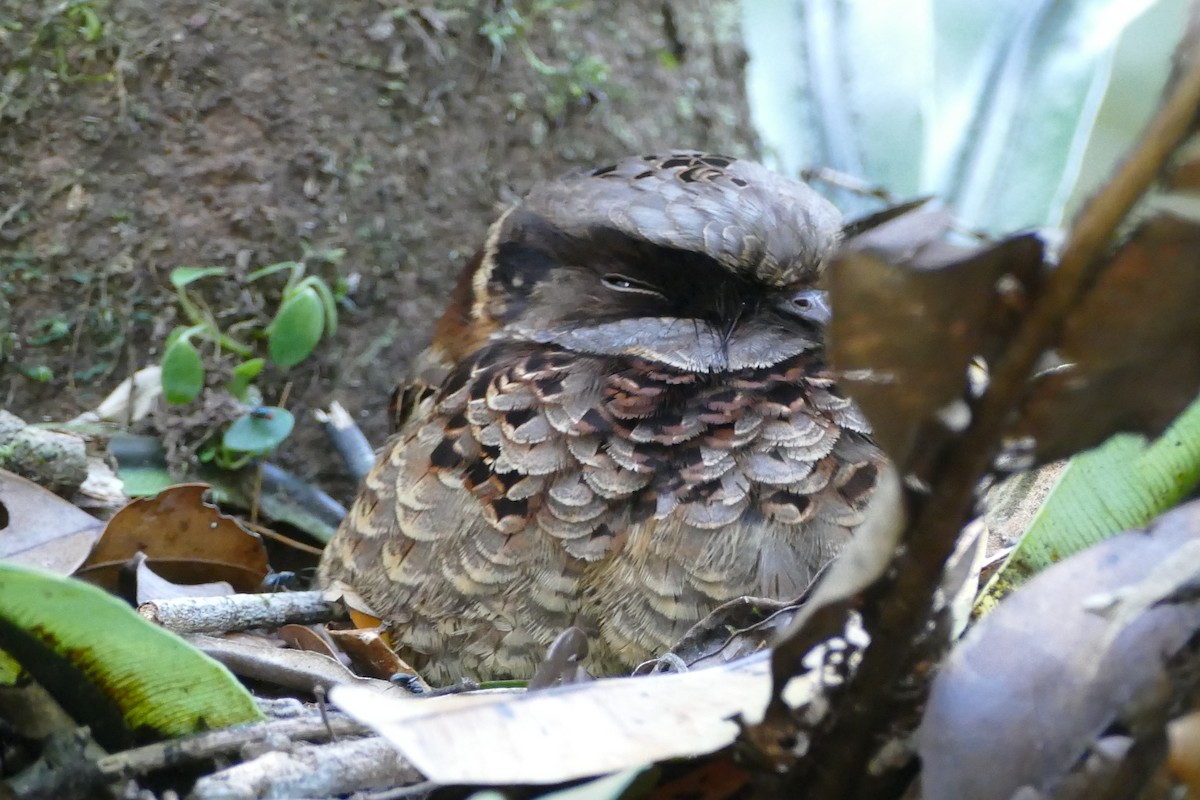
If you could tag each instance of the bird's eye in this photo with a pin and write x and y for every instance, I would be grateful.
(811, 305)
(622, 283)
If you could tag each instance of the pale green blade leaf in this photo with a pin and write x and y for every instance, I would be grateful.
(1123, 484)
(127, 678)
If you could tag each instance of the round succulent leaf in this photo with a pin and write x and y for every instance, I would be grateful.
(182, 372)
(259, 431)
(297, 328)
(328, 302)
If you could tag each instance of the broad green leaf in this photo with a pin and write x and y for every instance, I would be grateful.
(182, 276)
(141, 464)
(108, 667)
(145, 480)
(90, 27)
(1119, 486)
(328, 303)
(182, 371)
(297, 328)
(989, 106)
(259, 431)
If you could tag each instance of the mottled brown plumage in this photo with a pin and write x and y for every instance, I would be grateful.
(623, 421)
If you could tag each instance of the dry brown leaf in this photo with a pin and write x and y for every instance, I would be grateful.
(1132, 346)
(303, 637)
(40, 529)
(361, 614)
(715, 779)
(563, 662)
(185, 539)
(911, 314)
(1184, 756)
(269, 661)
(370, 654)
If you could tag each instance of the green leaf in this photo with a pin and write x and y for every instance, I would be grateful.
(40, 372)
(990, 106)
(53, 330)
(146, 481)
(10, 670)
(328, 303)
(127, 678)
(297, 328)
(182, 371)
(92, 27)
(182, 276)
(243, 374)
(259, 431)
(1123, 484)
(272, 269)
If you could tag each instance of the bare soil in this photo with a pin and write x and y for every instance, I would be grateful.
(373, 140)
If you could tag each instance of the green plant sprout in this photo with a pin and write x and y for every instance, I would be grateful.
(251, 435)
(509, 24)
(79, 23)
(307, 312)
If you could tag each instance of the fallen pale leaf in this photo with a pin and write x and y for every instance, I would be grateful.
(152, 586)
(568, 732)
(40, 529)
(986, 732)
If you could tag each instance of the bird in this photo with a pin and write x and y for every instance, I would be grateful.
(625, 419)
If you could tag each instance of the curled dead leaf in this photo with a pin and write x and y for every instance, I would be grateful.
(911, 312)
(185, 539)
(1131, 349)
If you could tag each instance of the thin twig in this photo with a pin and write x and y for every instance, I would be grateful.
(239, 612)
(85, 306)
(287, 541)
(175, 752)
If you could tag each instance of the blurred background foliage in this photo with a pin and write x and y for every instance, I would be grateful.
(1010, 111)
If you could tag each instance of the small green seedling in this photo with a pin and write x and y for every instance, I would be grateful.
(307, 312)
(250, 436)
(182, 367)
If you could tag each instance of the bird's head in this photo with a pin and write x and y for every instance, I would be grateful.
(699, 262)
